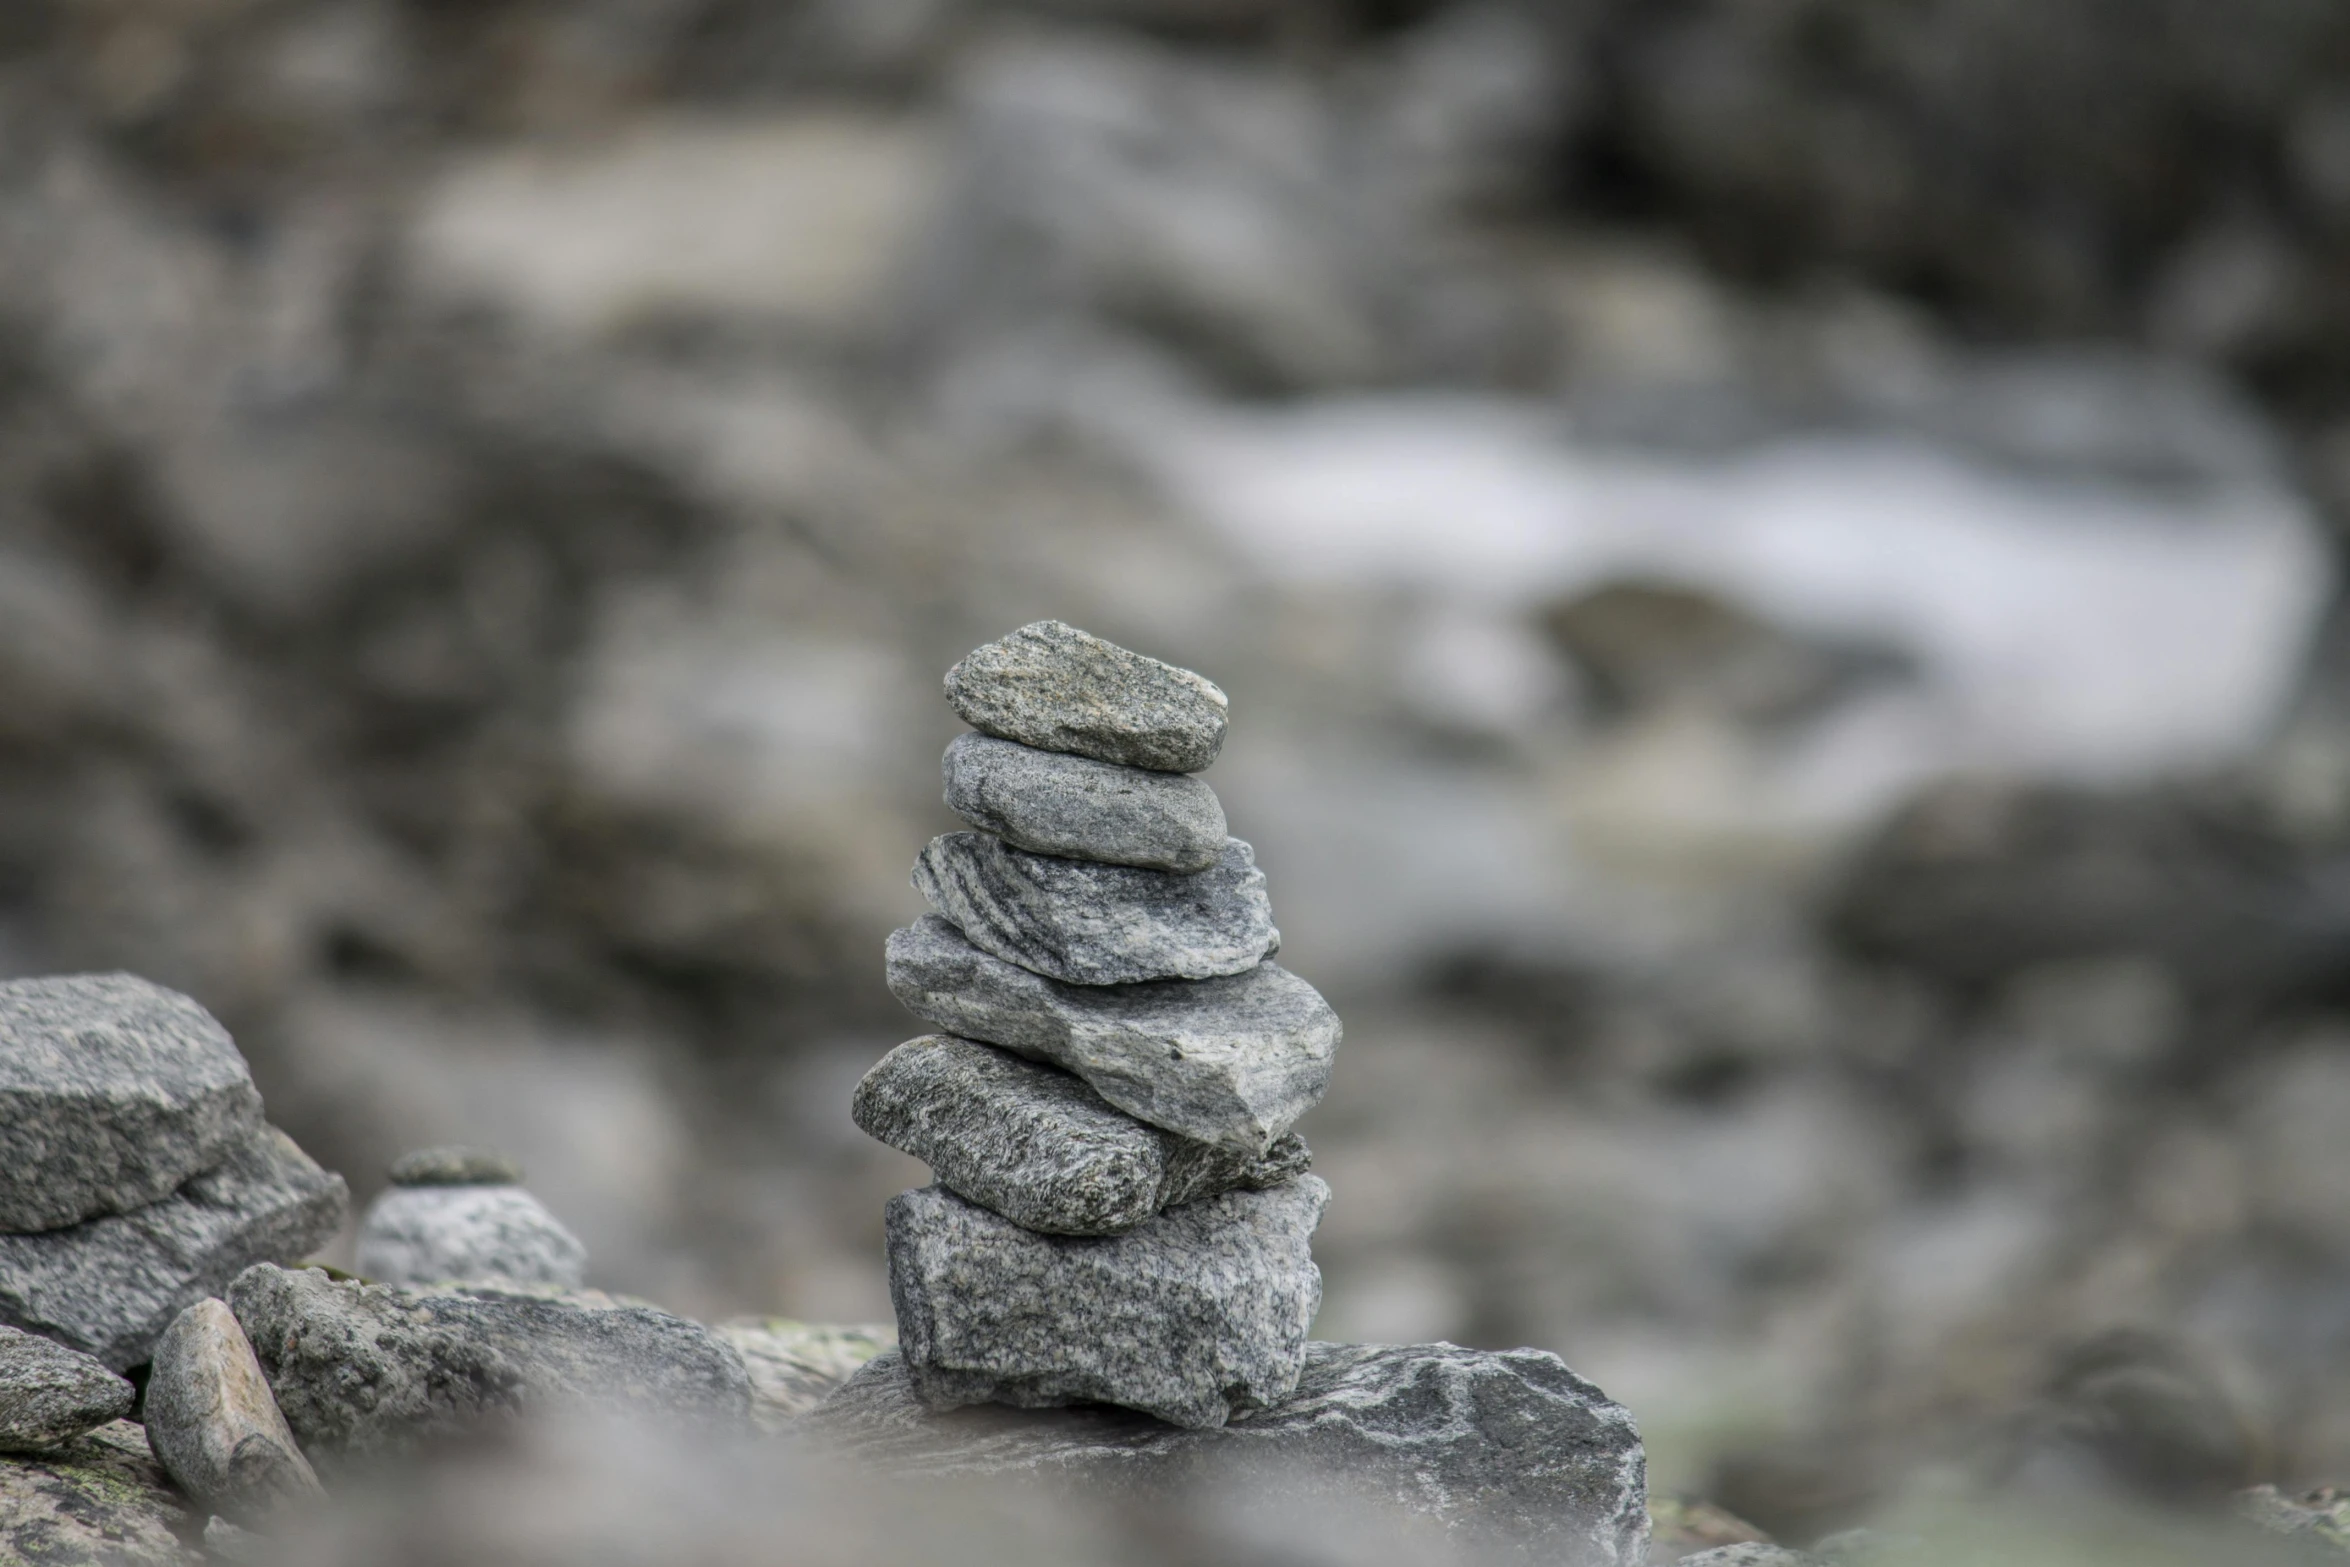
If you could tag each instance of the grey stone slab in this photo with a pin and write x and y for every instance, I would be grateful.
(111, 1286)
(1057, 688)
(50, 1394)
(215, 1426)
(99, 1500)
(1038, 1146)
(1231, 1061)
(1198, 1314)
(1510, 1454)
(1091, 924)
(368, 1369)
(795, 1366)
(113, 1092)
(428, 1234)
(1081, 808)
(449, 1165)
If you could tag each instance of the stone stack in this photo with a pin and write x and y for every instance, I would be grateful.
(1121, 1211)
(137, 1175)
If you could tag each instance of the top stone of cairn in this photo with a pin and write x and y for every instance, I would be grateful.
(1057, 688)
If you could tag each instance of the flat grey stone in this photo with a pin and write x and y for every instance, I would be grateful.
(214, 1425)
(428, 1234)
(1090, 924)
(1035, 1144)
(1195, 1316)
(51, 1394)
(367, 1369)
(1510, 1454)
(113, 1092)
(1057, 688)
(1231, 1061)
(795, 1366)
(111, 1286)
(99, 1500)
(1081, 808)
(454, 1166)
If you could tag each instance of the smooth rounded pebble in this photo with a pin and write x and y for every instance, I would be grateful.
(1057, 688)
(51, 1394)
(1082, 809)
(432, 1234)
(215, 1426)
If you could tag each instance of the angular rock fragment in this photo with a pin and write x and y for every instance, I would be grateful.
(99, 1500)
(215, 1426)
(1057, 688)
(110, 1286)
(368, 1369)
(1038, 1146)
(429, 1234)
(50, 1394)
(454, 1166)
(1089, 924)
(113, 1092)
(1519, 1458)
(795, 1366)
(1074, 806)
(1194, 1317)
(1231, 1061)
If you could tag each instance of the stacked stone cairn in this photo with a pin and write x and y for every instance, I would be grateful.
(1121, 1211)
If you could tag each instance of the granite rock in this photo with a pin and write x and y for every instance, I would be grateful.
(427, 1234)
(1089, 924)
(215, 1426)
(454, 1166)
(1198, 1314)
(110, 1286)
(1035, 1144)
(113, 1092)
(1511, 1453)
(1057, 688)
(1231, 1061)
(795, 1366)
(1087, 810)
(99, 1500)
(51, 1394)
(367, 1369)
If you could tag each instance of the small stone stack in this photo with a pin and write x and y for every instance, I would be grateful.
(1121, 1212)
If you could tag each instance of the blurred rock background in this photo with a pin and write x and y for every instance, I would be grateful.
(1774, 564)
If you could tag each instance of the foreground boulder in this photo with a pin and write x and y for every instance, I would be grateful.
(1512, 1454)
(213, 1424)
(110, 1286)
(113, 1093)
(50, 1394)
(99, 1500)
(366, 1369)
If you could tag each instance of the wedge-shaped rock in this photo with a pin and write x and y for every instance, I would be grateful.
(427, 1234)
(367, 1369)
(1081, 808)
(214, 1424)
(1198, 1315)
(113, 1092)
(1057, 688)
(1038, 1146)
(1089, 924)
(50, 1394)
(110, 1286)
(1231, 1061)
(1511, 1455)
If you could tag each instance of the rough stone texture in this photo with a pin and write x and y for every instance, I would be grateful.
(428, 1234)
(1057, 688)
(111, 1286)
(367, 1369)
(1198, 1314)
(50, 1394)
(113, 1092)
(454, 1166)
(99, 1500)
(215, 1426)
(1090, 924)
(1038, 1146)
(1232, 1061)
(1514, 1453)
(795, 1366)
(1088, 810)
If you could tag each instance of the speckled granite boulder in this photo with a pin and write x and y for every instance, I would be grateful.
(427, 1234)
(213, 1423)
(110, 1286)
(1511, 1455)
(51, 1394)
(1038, 1146)
(113, 1093)
(99, 1500)
(1230, 1061)
(1057, 688)
(1196, 1315)
(1081, 808)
